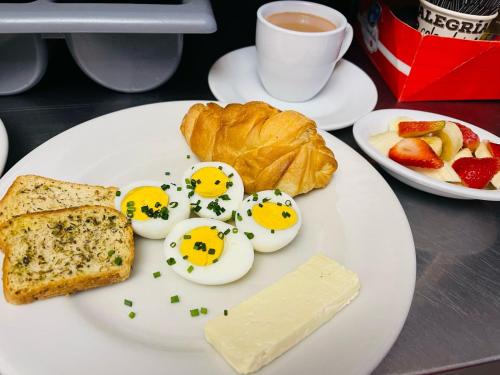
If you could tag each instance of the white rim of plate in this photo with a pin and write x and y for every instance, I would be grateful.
(420, 179)
(4, 146)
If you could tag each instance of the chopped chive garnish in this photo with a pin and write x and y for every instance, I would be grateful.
(131, 315)
(220, 167)
(165, 187)
(130, 203)
(230, 175)
(188, 156)
(266, 200)
(229, 184)
(156, 274)
(187, 181)
(279, 204)
(249, 235)
(185, 257)
(225, 197)
(157, 204)
(272, 230)
(204, 310)
(213, 227)
(225, 312)
(127, 302)
(215, 260)
(173, 244)
(288, 202)
(194, 312)
(110, 253)
(211, 251)
(233, 215)
(190, 269)
(173, 204)
(174, 299)
(255, 197)
(285, 214)
(118, 261)
(261, 205)
(226, 232)
(277, 191)
(235, 230)
(167, 173)
(190, 194)
(238, 216)
(217, 182)
(249, 212)
(216, 207)
(187, 236)
(179, 188)
(171, 261)
(118, 193)
(198, 181)
(220, 235)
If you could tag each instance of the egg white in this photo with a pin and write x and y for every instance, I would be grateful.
(235, 192)
(157, 228)
(263, 240)
(235, 261)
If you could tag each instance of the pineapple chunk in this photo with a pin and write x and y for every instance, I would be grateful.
(436, 144)
(482, 151)
(384, 141)
(463, 153)
(452, 140)
(446, 173)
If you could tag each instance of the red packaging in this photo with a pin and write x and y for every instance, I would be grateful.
(426, 67)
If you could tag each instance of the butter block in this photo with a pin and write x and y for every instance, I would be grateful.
(269, 323)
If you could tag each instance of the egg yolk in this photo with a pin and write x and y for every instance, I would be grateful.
(275, 216)
(152, 196)
(210, 182)
(202, 246)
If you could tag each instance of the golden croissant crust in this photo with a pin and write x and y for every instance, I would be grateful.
(269, 148)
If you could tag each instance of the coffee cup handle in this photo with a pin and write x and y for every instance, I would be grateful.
(346, 43)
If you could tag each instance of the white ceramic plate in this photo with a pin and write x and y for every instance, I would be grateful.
(233, 78)
(356, 220)
(378, 122)
(4, 146)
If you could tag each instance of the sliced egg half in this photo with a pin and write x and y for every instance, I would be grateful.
(214, 189)
(152, 206)
(208, 251)
(270, 219)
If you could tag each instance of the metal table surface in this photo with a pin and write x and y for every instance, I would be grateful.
(454, 319)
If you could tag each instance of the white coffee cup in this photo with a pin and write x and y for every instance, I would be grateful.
(293, 65)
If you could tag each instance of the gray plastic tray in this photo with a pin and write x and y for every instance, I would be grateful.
(128, 47)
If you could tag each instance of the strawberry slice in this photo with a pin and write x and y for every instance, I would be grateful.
(494, 148)
(476, 173)
(414, 152)
(471, 140)
(417, 128)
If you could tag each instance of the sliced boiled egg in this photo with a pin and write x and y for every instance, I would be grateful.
(152, 206)
(270, 219)
(208, 251)
(214, 189)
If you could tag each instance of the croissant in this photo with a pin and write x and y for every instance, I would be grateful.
(269, 148)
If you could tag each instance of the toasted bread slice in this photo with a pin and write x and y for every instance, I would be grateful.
(31, 193)
(54, 253)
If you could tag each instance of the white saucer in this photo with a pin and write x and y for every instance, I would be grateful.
(349, 94)
(4, 146)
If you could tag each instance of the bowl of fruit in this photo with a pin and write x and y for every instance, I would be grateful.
(433, 153)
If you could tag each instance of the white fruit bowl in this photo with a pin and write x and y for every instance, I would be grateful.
(378, 122)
